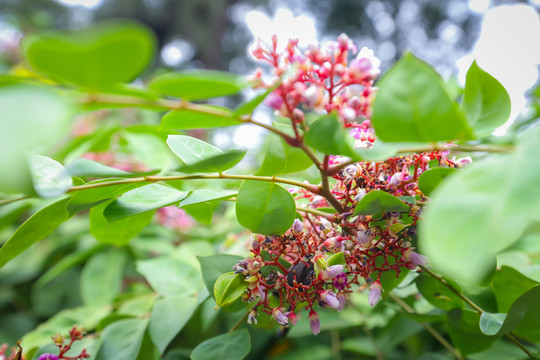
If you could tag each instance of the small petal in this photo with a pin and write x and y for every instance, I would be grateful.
(418, 259)
(48, 357)
(334, 270)
(330, 298)
(342, 301)
(280, 317)
(297, 227)
(293, 318)
(251, 317)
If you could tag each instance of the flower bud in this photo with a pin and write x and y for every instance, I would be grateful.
(334, 270)
(374, 293)
(417, 259)
(342, 301)
(297, 227)
(274, 101)
(48, 357)
(293, 318)
(314, 322)
(251, 317)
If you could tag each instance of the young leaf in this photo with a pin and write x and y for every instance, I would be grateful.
(490, 324)
(197, 85)
(249, 106)
(119, 232)
(217, 163)
(230, 346)
(328, 136)
(265, 207)
(430, 179)
(36, 228)
(143, 199)
(49, 177)
(102, 55)
(122, 339)
(229, 287)
(485, 102)
(99, 287)
(413, 105)
(377, 201)
(204, 195)
(214, 266)
(169, 315)
(205, 116)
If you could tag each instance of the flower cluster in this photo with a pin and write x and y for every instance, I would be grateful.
(323, 258)
(76, 333)
(323, 79)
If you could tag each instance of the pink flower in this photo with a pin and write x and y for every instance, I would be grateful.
(334, 270)
(293, 318)
(374, 293)
(280, 317)
(397, 178)
(314, 322)
(330, 298)
(365, 66)
(297, 227)
(416, 258)
(342, 301)
(274, 101)
(340, 282)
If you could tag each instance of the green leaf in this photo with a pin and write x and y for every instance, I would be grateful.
(485, 102)
(465, 332)
(119, 232)
(85, 167)
(36, 228)
(110, 94)
(198, 84)
(87, 198)
(204, 195)
(169, 315)
(214, 266)
(281, 158)
(524, 316)
(26, 128)
(328, 136)
(413, 105)
(438, 294)
(143, 199)
(49, 177)
(248, 107)
(122, 339)
(230, 346)
(170, 276)
(101, 277)
(150, 149)
(203, 116)
(376, 201)
(229, 287)
(265, 207)
(508, 284)
(199, 156)
(483, 209)
(490, 323)
(104, 54)
(337, 259)
(203, 212)
(430, 179)
(87, 316)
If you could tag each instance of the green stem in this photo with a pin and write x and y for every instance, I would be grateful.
(310, 187)
(428, 327)
(240, 322)
(327, 216)
(9, 201)
(477, 308)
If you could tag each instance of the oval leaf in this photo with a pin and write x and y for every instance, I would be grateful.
(36, 228)
(49, 177)
(430, 179)
(490, 324)
(214, 266)
(122, 339)
(328, 136)
(104, 54)
(143, 199)
(230, 346)
(265, 207)
(169, 315)
(197, 85)
(413, 105)
(376, 201)
(229, 287)
(438, 294)
(485, 102)
(205, 116)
